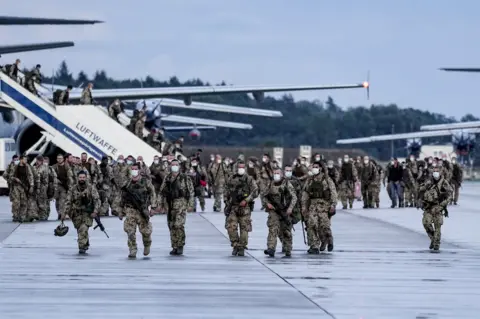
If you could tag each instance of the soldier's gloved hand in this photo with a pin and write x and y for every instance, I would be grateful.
(243, 203)
(190, 209)
(120, 217)
(269, 206)
(94, 214)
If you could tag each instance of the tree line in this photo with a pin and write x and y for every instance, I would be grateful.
(314, 123)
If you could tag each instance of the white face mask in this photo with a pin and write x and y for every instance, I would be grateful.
(264, 159)
(129, 162)
(212, 158)
(430, 161)
(310, 173)
(315, 170)
(412, 159)
(302, 162)
(156, 161)
(219, 161)
(16, 162)
(440, 163)
(46, 164)
(174, 168)
(330, 165)
(277, 177)
(194, 164)
(120, 161)
(288, 174)
(134, 173)
(250, 165)
(365, 162)
(241, 171)
(295, 163)
(434, 164)
(317, 158)
(346, 159)
(436, 175)
(392, 162)
(454, 161)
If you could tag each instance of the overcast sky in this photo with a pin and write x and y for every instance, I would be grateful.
(401, 43)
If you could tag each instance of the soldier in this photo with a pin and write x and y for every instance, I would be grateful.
(158, 173)
(63, 96)
(348, 178)
(7, 175)
(280, 199)
(105, 185)
(144, 170)
(42, 185)
(409, 186)
(333, 173)
(219, 174)
(240, 192)
(199, 180)
(266, 177)
(33, 77)
(87, 98)
(377, 185)
(395, 173)
(368, 179)
(136, 196)
(297, 210)
(65, 181)
(358, 167)
(12, 69)
(120, 176)
(22, 186)
(82, 205)
(176, 197)
(319, 199)
(32, 210)
(437, 195)
(300, 169)
(456, 179)
(114, 109)
(52, 183)
(140, 124)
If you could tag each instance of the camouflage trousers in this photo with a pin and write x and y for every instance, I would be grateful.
(116, 201)
(409, 193)
(43, 204)
(201, 199)
(106, 199)
(32, 210)
(176, 223)
(217, 195)
(133, 219)
(82, 222)
(432, 222)
(19, 199)
(60, 198)
(375, 188)
(347, 193)
(320, 223)
(456, 188)
(277, 228)
(239, 217)
(263, 183)
(367, 193)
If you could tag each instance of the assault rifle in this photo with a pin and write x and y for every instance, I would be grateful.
(279, 208)
(137, 202)
(100, 225)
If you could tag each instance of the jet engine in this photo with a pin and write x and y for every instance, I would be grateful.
(258, 96)
(187, 100)
(414, 146)
(194, 134)
(464, 143)
(28, 133)
(7, 115)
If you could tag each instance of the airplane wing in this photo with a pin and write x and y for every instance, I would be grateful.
(453, 126)
(5, 49)
(404, 136)
(187, 92)
(200, 121)
(37, 21)
(200, 106)
(460, 69)
(185, 128)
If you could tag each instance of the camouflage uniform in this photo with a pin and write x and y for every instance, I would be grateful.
(65, 180)
(22, 186)
(32, 210)
(436, 197)
(140, 125)
(409, 186)
(239, 188)
(283, 197)
(120, 177)
(80, 203)
(42, 184)
(52, 186)
(105, 185)
(348, 177)
(266, 177)
(456, 181)
(319, 195)
(158, 173)
(7, 175)
(368, 178)
(377, 185)
(177, 196)
(86, 97)
(198, 176)
(144, 189)
(219, 174)
(114, 109)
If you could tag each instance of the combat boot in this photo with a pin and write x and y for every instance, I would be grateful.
(180, 251)
(234, 251)
(310, 250)
(288, 253)
(344, 207)
(330, 247)
(377, 205)
(173, 252)
(351, 205)
(82, 251)
(323, 246)
(436, 248)
(241, 252)
(283, 250)
(146, 250)
(132, 255)
(431, 244)
(270, 252)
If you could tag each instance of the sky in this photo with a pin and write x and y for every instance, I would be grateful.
(272, 42)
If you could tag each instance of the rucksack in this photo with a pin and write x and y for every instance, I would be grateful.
(56, 96)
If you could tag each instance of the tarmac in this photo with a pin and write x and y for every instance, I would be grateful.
(381, 268)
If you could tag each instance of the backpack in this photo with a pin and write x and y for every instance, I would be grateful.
(56, 96)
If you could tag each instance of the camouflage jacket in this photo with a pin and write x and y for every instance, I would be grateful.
(241, 183)
(286, 191)
(327, 186)
(83, 199)
(182, 183)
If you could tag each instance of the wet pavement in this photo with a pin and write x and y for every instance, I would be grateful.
(381, 268)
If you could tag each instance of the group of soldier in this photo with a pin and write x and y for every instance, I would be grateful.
(126, 187)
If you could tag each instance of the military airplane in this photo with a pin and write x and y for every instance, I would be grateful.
(6, 49)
